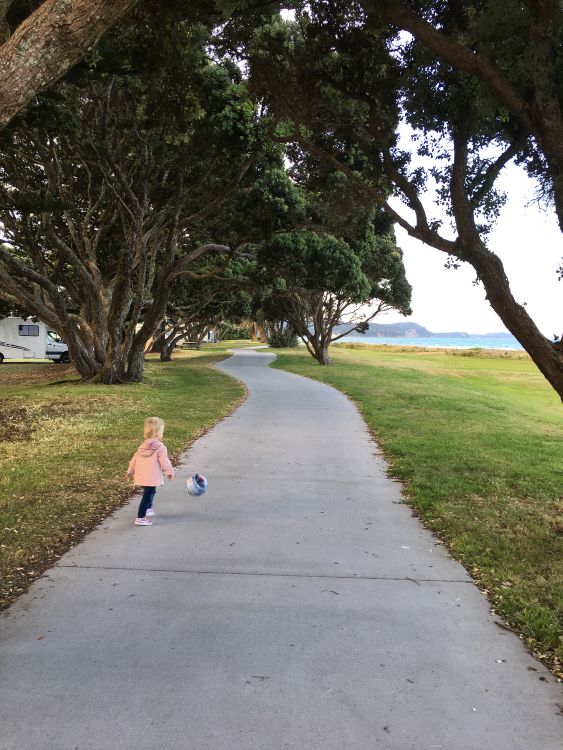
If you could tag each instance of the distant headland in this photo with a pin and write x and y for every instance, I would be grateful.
(413, 330)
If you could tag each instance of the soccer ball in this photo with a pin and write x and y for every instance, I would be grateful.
(196, 485)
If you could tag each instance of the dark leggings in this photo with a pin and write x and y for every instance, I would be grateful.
(146, 501)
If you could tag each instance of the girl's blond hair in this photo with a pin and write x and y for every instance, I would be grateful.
(154, 427)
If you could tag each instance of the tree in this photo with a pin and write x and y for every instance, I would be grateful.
(197, 306)
(177, 328)
(43, 39)
(109, 187)
(316, 280)
(350, 88)
(47, 43)
(513, 50)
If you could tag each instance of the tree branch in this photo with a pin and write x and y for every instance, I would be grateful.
(49, 42)
(382, 307)
(421, 230)
(487, 180)
(220, 199)
(462, 58)
(180, 268)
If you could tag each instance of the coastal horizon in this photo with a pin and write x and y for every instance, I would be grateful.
(479, 341)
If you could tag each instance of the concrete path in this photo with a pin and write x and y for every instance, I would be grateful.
(297, 604)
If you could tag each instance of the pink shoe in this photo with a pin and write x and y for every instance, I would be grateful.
(143, 522)
(150, 512)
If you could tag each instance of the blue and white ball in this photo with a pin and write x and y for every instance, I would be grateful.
(196, 485)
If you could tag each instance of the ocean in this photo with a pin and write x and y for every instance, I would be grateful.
(441, 342)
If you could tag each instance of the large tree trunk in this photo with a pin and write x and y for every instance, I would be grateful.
(112, 371)
(157, 343)
(136, 355)
(136, 365)
(547, 356)
(48, 43)
(166, 351)
(81, 356)
(318, 347)
(201, 336)
(323, 356)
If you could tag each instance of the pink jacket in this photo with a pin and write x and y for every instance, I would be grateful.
(148, 463)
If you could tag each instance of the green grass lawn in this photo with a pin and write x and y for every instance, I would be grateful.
(64, 448)
(478, 443)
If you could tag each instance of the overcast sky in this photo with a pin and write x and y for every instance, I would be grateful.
(530, 245)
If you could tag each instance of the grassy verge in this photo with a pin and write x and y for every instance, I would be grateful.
(478, 441)
(64, 448)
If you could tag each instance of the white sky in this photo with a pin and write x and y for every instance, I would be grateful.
(530, 245)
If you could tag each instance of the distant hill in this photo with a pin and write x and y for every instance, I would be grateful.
(409, 330)
(403, 330)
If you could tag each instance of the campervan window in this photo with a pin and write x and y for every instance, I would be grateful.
(28, 330)
(54, 336)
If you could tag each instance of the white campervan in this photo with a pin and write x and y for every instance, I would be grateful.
(27, 338)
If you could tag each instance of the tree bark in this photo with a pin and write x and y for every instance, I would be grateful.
(48, 43)
(158, 342)
(112, 371)
(318, 346)
(168, 346)
(4, 26)
(136, 365)
(547, 356)
(323, 356)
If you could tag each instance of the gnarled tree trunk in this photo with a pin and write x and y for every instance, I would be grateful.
(322, 355)
(48, 43)
(547, 356)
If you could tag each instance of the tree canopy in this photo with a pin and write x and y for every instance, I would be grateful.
(335, 260)
(319, 281)
(111, 188)
(338, 85)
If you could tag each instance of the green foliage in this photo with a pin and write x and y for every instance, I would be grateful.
(323, 254)
(211, 300)
(230, 331)
(342, 80)
(112, 178)
(269, 204)
(281, 337)
(315, 262)
(337, 82)
(360, 267)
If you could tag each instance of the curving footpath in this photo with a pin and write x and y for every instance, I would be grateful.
(298, 604)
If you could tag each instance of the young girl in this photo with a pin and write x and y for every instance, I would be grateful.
(147, 465)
